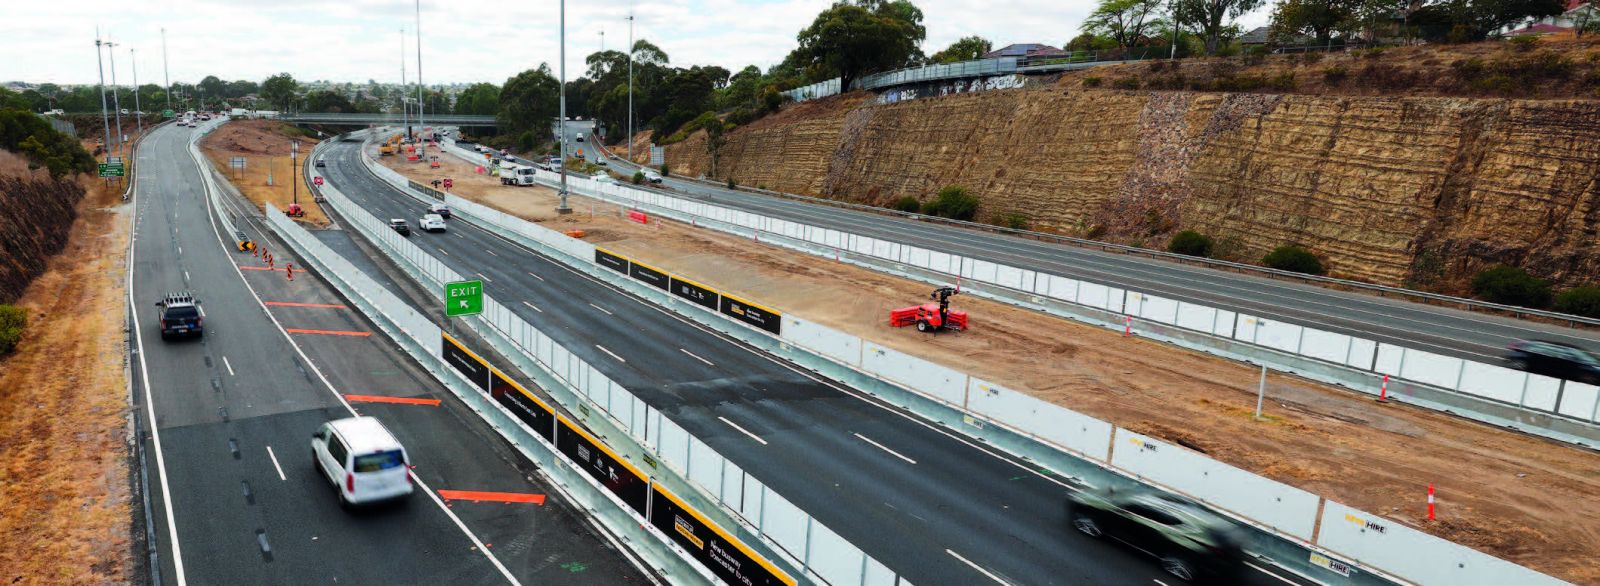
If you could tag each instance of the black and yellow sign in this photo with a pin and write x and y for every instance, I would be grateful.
(649, 275)
(752, 314)
(695, 292)
(593, 457)
(708, 544)
(467, 363)
(539, 416)
(611, 261)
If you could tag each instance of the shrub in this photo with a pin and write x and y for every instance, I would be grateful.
(1294, 259)
(1095, 232)
(1157, 65)
(527, 141)
(907, 204)
(1282, 82)
(1373, 53)
(1190, 243)
(1310, 57)
(1584, 301)
(953, 202)
(1256, 55)
(1335, 74)
(1511, 286)
(1126, 83)
(1091, 81)
(12, 321)
(1015, 221)
(665, 170)
(638, 177)
(1522, 43)
(732, 184)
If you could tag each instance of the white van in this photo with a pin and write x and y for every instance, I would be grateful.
(362, 460)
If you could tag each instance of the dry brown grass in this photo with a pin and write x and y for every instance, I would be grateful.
(64, 494)
(266, 151)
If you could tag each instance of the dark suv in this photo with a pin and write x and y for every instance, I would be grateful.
(181, 316)
(1193, 543)
(1554, 359)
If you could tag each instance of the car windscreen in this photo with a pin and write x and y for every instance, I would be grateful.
(184, 312)
(378, 461)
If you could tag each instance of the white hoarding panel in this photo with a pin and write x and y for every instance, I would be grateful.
(917, 257)
(1063, 288)
(827, 341)
(833, 558)
(705, 467)
(750, 506)
(1322, 345)
(939, 261)
(1388, 361)
(1362, 352)
(1542, 397)
(1225, 323)
(1268, 502)
(915, 373)
(674, 448)
(1495, 382)
(1578, 400)
(1278, 335)
(1008, 276)
(1092, 294)
(983, 270)
(1196, 317)
(1430, 368)
(784, 523)
(1159, 309)
(1413, 555)
(1064, 427)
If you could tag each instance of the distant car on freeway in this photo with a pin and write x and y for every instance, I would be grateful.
(321, 163)
(601, 161)
(1554, 359)
(362, 460)
(431, 223)
(1193, 543)
(442, 210)
(652, 176)
(399, 225)
(181, 316)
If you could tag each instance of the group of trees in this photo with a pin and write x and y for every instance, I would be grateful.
(25, 133)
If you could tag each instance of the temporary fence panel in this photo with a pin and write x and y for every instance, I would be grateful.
(1063, 288)
(784, 524)
(674, 446)
(1413, 555)
(1389, 359)
(941, 382)
(705, 466)
(732, 490)
(1066, 428)
(826, 341)
(832, 558)
(750, 504)
(877, 574)
(1430, 368)
(1322, 345)
(1278, 335)
(1578, 400)
(1494, 382)
(1196, 317)
(1542, 397)
(1268, 502)
(1362, 352)
(1158, 309)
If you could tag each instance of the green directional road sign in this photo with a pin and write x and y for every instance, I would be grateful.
(168, 113)
(112, 170)
(463, 298)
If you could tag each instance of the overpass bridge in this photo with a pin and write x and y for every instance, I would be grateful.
(388, 119)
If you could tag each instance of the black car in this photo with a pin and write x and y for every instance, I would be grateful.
(441, 209)
(321, 163)
(1554, 359)
(181, 316)
(1193, 543)
(399, 225)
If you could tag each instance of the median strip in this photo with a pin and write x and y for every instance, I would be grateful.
(498, 497)
(396, 400)
(327, 332)
(293, 304)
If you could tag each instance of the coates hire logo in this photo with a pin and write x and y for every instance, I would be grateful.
(1365, 524)
(686, 529)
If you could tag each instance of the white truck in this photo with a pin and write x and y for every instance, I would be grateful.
(514, 174)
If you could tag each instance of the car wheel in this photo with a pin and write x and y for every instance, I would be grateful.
(1087, 525)
(922, 326)
(1178, 567)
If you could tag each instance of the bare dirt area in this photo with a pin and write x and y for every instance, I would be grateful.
(64, 492)
(1505, 493)
(265, 146)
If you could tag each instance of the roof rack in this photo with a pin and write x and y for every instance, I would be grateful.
(180, 297)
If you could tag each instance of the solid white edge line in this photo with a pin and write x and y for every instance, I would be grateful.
(533, 307)
(608, 352)
(745, 431)
(149, 404)
(976, 567)
(229, 365)
(1158, 582)
(275, 463)
(884, 448)
(485, 278)
(536, 276)
(444, 252)
(491, 252)
(205, 180)
(602, 309)
(1273, 574)
(692, 355)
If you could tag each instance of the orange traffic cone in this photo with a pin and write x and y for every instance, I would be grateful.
(288, 269)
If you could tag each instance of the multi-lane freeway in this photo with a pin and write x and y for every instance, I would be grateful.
(234, 496)
(1443, 330)
(934, 507)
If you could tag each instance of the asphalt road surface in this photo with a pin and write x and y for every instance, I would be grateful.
(235, 498)
(1444, 330)
(935, 508)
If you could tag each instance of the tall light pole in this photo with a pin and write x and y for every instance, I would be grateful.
(164, 77)
(405, 120)
(629, 138)
(116, 101)
(100, 65)
(138, 112)
(1175, 25)
(421, 104)
(561, 119)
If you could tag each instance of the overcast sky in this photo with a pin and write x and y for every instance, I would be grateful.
(462, 40)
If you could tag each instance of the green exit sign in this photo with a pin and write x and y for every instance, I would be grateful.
(112, 170)
(463, 298)
(168, 113)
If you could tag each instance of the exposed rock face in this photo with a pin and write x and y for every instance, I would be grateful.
(1400, 191)
(36, 214)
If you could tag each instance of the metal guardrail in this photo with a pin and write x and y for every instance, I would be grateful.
(354, 118)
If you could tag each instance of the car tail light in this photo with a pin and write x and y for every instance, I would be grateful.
(349, 482)
(163, 323)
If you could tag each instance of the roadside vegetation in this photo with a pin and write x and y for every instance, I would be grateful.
(13, 320)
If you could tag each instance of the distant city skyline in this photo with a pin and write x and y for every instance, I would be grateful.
(357, 40)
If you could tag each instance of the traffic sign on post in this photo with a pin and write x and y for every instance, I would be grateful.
(317, 180)
(463, 298)
(112, 170)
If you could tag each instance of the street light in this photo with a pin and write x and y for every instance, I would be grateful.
(164, 76)
(116, 102)
(101, 67)
(421, 151)
(561, 120)
(629, 138)
(138, 111)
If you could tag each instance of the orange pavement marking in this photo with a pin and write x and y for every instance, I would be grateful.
(503, 497)
(382, 399)
(327, 332)
(245, 268)
(293, 304)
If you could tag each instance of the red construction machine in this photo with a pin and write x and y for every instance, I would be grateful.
(931, 317)
(295, 211)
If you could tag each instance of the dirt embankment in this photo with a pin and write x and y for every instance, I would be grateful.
(38, 215)
(1505, 493)
(64, 481)
(267, 175)
(1409, 187)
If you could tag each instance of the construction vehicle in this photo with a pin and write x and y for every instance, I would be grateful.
(931, 317)
(295, 211)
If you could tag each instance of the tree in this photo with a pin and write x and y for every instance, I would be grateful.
(966, 49)
(529, 102)
(213, 86)
(1316, 18)
(1213, 16)
(1509, 285)
(714, 128)
(853, 39)
(1293, 258)
(1124, 21)
(279, 89)
(481, 99)
(1475, 20)
(1191, 243)
(328, 102)
(1584, 301)
(1089, 42)
(953, 202)
(240, 88)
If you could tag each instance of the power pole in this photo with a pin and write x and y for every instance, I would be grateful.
(138, 112)
(164, 77)
(1175, 25)
(561, 119)
(116, 101)
(629, 138)
(101, 66)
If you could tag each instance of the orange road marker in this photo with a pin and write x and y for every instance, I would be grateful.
(327, 332)
(500, 497)
(293, 304)
(396, 400)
